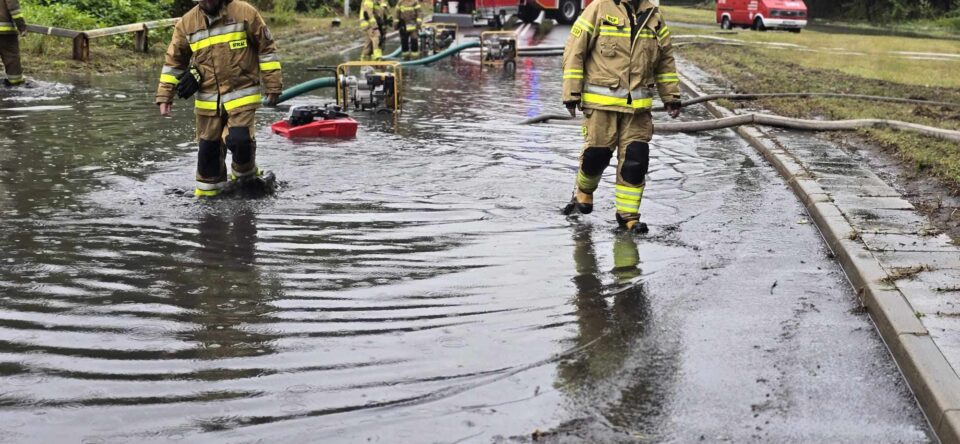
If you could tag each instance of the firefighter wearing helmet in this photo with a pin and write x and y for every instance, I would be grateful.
(617, 52)
(223, 54)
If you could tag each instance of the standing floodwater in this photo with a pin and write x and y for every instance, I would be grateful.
(415, 284)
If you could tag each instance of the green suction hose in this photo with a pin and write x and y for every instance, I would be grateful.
(331, 82)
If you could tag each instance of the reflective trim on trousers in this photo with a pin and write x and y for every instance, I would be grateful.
(204, 186)
(628, 199)
(586, 183)
(240, 93)
(272, 57)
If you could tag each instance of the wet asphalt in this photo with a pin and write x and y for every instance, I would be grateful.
(415, 284)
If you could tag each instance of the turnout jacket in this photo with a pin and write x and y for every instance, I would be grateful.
(232, 52)
(10, 17)
(368, 14)
(408, 12)
(615, 56)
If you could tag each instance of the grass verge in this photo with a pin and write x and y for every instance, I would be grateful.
(768, 70)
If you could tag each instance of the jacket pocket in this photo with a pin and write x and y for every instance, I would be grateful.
(606, 82)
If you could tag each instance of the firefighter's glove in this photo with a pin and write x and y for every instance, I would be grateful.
(21, 26)
(672, 108)
(188, 83)
(572, 106)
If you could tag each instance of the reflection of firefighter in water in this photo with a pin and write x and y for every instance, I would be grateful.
(615, 315)
(226, 291)
(618, 323)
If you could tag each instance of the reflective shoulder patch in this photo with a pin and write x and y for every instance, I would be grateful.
(238, 44)
(576, 31)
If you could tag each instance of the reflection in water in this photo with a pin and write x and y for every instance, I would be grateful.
(616, 367)
(225, 290)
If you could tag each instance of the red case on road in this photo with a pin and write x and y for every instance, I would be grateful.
(341, 128)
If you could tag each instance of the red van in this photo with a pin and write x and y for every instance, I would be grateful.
(762, 14)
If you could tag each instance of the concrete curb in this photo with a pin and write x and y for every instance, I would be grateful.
(928, 372)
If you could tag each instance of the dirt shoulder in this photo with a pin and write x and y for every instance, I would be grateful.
(299, 38)
(927, 169)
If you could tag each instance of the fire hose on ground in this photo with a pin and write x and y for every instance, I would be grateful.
(785, 122)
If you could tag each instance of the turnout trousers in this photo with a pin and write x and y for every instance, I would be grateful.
(409, 40)
(10, 54)
(628, 135)
(218, 134)
(371, 47)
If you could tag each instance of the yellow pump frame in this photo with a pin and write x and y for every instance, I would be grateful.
(486, 35)
(392, 67)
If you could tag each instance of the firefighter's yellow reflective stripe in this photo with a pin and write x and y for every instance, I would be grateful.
(167, 78)
(204, 34)
(5, 26)
(664, 32)
(668, 77)
(583, 24)
(598, 99)
(628, 199)
(408, 8)
(364, 24)
(216, 40)
(16, 80)
(368, 4)
(270, 66)
(587, 184)
(411, 28)
(16, 15)
(243, 101)
(615, 34)
(573, 74)
(205, 193)
(207, 105)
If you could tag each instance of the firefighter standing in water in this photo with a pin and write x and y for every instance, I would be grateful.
(384, 20)
(370, 25)
(12, 27)
(408, 23)
(220, 50)
(618, 50)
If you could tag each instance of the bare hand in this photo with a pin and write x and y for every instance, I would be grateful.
(165, 109)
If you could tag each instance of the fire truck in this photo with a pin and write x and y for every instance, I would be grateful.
(564, 11)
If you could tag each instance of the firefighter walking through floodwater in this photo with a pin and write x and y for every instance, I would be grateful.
(371, 25)
(616, 53)
(12, 27)
(220, 51)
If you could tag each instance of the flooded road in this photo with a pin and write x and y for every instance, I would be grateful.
(416, 284)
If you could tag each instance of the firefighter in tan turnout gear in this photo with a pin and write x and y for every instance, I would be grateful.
(616, 53)
(220, 51)
(408, 23)
(370, 25)
(12, 26)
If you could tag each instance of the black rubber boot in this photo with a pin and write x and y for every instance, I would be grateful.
(632, 226)
(580, 203)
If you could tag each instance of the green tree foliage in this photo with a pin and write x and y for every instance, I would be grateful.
(883, 10)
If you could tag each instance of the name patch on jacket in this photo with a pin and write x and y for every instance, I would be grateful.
(238, 44)
(612, 20)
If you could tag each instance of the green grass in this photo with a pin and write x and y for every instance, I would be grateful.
(872, 57)
(689, 15)
(752, 70)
